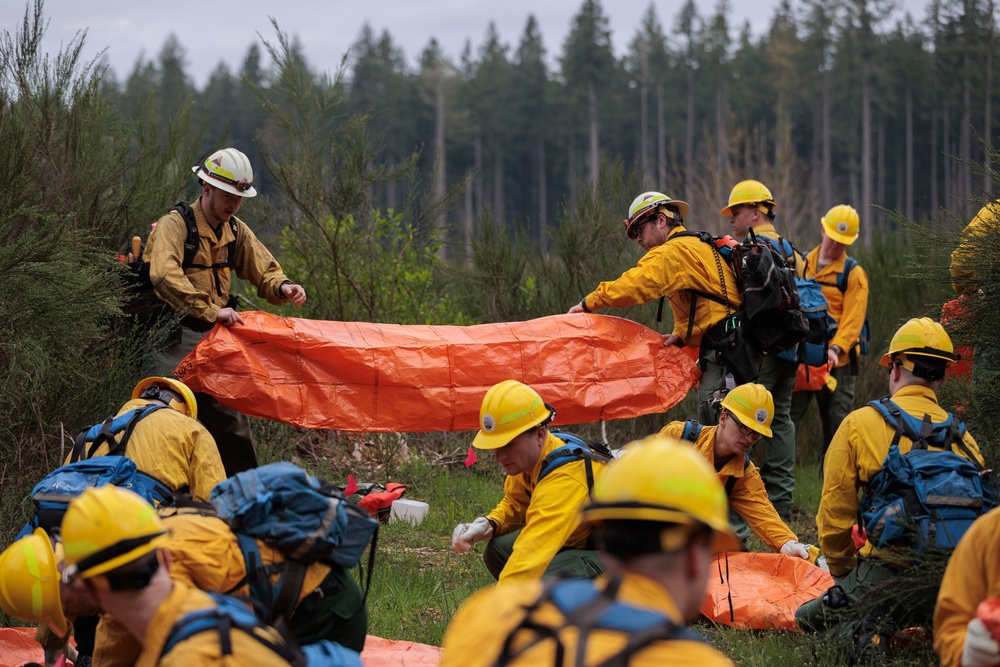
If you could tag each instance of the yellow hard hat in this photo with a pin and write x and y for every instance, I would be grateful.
(107, 527)
(29, 582)
(662, 479)
(752, 406)
(651, 202)
(229, 170)
(509, 409)
(750, 192)
(841, 224)
(190, 405)
(922, 337)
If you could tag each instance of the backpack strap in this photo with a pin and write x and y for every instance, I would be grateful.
(731, 482)
(849, 264)
(193, 240)
(574, 451)
(692, 429)
(585, 607)
(226, 615)
(105, 433)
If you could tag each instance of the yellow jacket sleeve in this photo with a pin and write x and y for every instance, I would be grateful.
(968, 255)
(165, 256)
(838, 507)
(552, 517)
(749, 500)
(201, 292)
(114, 645)
(972, 575)
(255, 264)
(852, 315)
(509, 514)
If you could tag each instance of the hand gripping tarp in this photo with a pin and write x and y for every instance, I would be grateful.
(356, 376)
(766, 590)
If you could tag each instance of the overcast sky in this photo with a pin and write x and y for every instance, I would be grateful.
(215, 30)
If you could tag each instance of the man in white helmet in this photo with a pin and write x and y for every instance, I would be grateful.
(699, 286)
(191, 253)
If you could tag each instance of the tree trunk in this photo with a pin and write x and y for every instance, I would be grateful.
(477, 158)
(882, 174)
(645, 151)
(909, 152)
(440, 184)
(689, 136)
(935, 199)
(946, 147)
(827, 146)
(988, 112)
(594, 157)
(498, 198)
(866, 151)
(470, 227)
(721, 137)
(661, 139)
(964, 136)
(543, 196)
(571, 171)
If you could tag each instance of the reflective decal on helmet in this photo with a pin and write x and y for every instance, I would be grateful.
(489, 423)
(761, 415)
(842, 227)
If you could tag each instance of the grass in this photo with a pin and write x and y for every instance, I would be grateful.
(419, 583)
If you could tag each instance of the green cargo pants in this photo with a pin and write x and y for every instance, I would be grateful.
(778, 469)
(833, 406)
(569, 562)
(336, 610)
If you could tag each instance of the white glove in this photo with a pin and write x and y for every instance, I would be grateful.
(796, 549)
(822, 564)
(467, 534)
(980, 649)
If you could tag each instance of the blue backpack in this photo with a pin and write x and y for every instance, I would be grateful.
(115, 431)
(229, 613)
(53, 494)
(588, 608)
(307, 519)
(927, 498)
(575, 449)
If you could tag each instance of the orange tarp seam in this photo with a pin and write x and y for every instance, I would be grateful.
(766, 589)
(357, 376)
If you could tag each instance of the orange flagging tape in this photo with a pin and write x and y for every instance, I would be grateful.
(356, 376)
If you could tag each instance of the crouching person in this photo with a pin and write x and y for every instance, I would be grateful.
(658, 516)
(747, 412)
(114, 541)
(204, 553)
(536, 528)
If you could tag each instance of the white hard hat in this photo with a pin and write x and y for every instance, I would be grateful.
(228, 169)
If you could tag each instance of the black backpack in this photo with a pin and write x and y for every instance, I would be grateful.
(769, 315)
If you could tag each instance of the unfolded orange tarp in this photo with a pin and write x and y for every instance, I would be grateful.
(18, 646)
(356, 376)
(388, 653)
(766, 590)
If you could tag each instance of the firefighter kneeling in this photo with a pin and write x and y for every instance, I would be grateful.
(658, 515)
